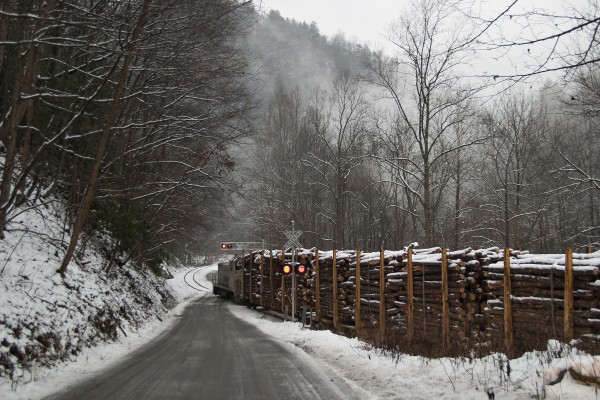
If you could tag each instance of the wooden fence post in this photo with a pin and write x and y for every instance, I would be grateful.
(410, 298)
(271, 279)
(243, 272)
(357, 312)
(568, 304)
(336, 320)
(382, 295)
(283, 285)
(250, 265)
(445, 310)
(508, 320)
(318, 285)
(262, 274)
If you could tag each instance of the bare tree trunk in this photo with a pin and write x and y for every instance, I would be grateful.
(86, 203)
(24, 82)
(427, 207)
(506, 213)
(3, 30)
(25, 152)
(457, 205)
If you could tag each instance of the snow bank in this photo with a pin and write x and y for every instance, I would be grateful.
(43, 381)
(536, 375)
(45, 318)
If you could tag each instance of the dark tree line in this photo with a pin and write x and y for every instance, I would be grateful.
(125, 110)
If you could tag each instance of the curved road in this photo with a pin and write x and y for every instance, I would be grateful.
(211, 354)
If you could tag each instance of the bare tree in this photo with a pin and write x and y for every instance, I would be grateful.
(575, 143)
(124, 108)
(109, 122)
(20, 54)
(339, 123)
(425, 84)
(278, 190)
(516, 177)
(542, 39)
(168, 166)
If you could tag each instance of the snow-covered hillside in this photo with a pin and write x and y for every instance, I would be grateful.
(45, 318)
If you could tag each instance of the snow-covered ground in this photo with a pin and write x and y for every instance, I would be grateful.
(55, 331)
(384, 377)
(415, 378)
(44, 317)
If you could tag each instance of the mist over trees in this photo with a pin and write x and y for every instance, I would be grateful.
(413, 149)
(174, 125)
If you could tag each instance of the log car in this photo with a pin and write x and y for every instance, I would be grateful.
(228, 281)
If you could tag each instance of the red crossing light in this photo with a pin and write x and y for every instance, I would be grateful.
(225, 246)
(300, 269)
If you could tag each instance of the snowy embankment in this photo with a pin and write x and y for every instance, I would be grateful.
(45, 319)
(44, 381)
(536, 375)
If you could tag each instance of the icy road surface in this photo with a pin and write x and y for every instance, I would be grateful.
(211, 354)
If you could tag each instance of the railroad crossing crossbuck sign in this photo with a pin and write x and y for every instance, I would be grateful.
(292, 237)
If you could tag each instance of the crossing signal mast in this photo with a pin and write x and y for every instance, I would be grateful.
(295, 267)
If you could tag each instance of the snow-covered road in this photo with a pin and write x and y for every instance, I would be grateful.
(211, 354)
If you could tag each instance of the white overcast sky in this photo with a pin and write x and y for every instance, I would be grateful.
(362, 21)
(367, 22)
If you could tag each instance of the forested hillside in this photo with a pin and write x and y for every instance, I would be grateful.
(288, 53)
(124, 110)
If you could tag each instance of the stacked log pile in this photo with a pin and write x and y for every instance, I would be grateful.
(260, 283)
(327, 285)
(370, 288)
(259, 288)
(257, 276)
(467, 292)
(538, 297)
(475, 293)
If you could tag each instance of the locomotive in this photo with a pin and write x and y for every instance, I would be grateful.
(228, 281)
